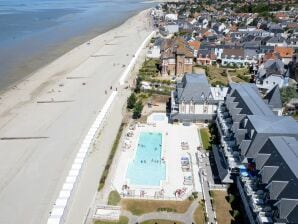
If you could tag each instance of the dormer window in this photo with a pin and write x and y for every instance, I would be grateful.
(202, 96)
(210, 96)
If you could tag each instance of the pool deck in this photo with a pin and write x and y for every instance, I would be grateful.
(173, 135)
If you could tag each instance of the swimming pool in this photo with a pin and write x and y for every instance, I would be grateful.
(147, 168)
(159, 117)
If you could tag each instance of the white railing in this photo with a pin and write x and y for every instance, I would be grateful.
(61, 206)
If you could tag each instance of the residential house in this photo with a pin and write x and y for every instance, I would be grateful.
(206, 57)
(277, 41)
(233, 56)
(195, 100)
(250, 57)
(271, 73)
(285, 53)
(275, 29)
(176, 57)
(171, 28)
(202, 22)
(171, 17)
(195, 45)
(154, 52)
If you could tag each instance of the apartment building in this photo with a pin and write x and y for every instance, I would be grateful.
(259, 152)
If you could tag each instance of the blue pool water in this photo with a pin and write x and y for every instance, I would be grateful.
(158, 117)
(147, 168)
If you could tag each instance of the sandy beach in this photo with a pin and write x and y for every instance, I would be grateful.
(44, 118)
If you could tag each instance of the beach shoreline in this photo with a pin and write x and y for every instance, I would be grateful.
(44, 118)
(41, 60)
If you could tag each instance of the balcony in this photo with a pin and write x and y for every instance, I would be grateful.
(255, 196)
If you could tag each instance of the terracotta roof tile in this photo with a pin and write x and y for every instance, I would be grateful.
(284, 52)
(195, 44)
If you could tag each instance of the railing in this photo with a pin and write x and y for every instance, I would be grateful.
(220, 187)
(245, 201)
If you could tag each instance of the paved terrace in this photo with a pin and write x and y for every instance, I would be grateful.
(173, 135)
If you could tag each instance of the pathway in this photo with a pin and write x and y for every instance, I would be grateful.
(229, 77)
(204, 167)
(186, 217)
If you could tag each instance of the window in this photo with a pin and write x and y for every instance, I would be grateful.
(192, 109)
(202, 96)
(205, 109)
(252, 133)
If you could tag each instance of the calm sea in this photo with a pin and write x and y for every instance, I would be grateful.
(35, 32)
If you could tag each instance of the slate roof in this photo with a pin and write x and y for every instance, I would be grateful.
(274, 124)
(233, 52)
(288, 149)
(276, 40)
(250, 99)
(288, 209)
(273, 97)
(193, 87)
(250, 53)
(204, 52)
(272, 66)
(221, 164)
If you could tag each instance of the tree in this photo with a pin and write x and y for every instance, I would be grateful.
(287, 93)
(131, 101)
(137, 111)
(138, 84)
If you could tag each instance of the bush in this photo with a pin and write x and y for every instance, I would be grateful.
(218, 82)
(114, 198)
(138, 84)
(287, 93)
(191, 198)
(236, 214)
(110, 158)
(244, 77)
(231, 198)
(131, 101)
(195, 195)
(166, 210)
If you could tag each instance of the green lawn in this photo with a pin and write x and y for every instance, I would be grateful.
(199, 214)
(216, 76)
(222, 207)
(114, 198)
(205, 136)
(139, 207)
(122, 220)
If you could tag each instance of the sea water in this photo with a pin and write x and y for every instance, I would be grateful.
(35, 32)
